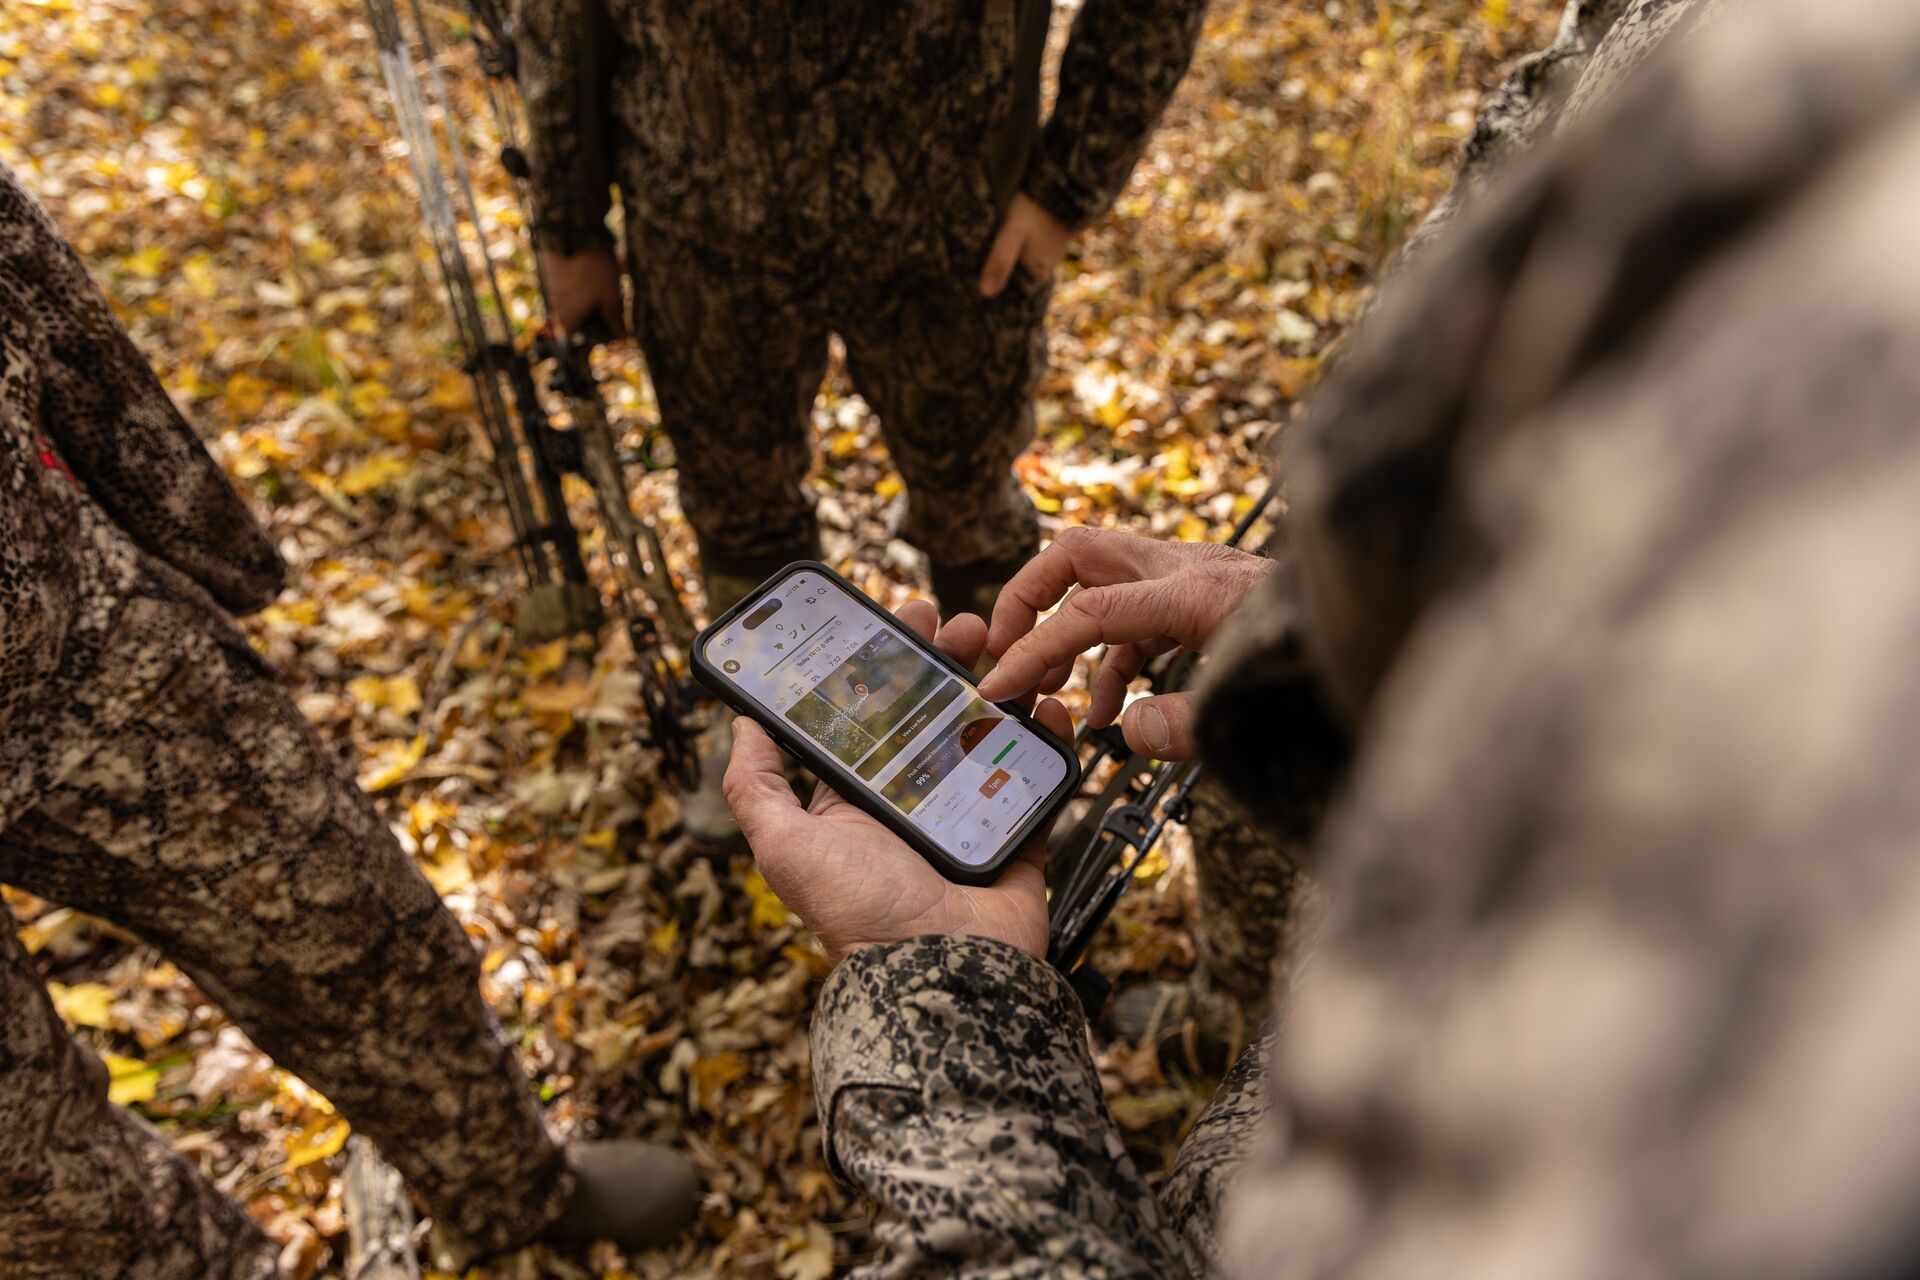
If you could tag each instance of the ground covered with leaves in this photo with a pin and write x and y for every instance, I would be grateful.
(228, 171)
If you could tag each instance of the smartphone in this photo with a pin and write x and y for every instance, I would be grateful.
(887, 720)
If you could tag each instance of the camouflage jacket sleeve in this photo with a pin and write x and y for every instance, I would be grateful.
(958, 1092)
(565, 52)
(115, 426)
(1122, 63)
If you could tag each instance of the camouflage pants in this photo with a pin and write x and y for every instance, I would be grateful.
(737, 352)
(220, 827)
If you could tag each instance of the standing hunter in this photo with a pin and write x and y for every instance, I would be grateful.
(154, 773)
(877, 170)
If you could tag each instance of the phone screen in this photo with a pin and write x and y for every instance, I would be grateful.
(962, 772)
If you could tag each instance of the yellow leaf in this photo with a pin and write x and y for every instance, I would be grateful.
(246, 395)
(84, 1004)
(107, 95)
(428, 812)
(198, 272)
(664, 936)
(130, 1080)
(59, 923)
(1192, 529)
(399, 693)
(712, 1075)
(440, 608)
(768, 911)
(323, 1136)
(448, 872)
(562, 699)
(368, 396)
(889, 485)
(603, 839)
(375, 473)
(148, 263)
(394, 761)
(452, 391)
(298, 613)
(541, 659)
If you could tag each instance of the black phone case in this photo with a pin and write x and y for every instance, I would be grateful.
(829, 769)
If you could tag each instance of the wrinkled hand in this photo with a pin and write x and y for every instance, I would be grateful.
(853, 881)
(1138, 596)
(1031, 236)
(582, 285)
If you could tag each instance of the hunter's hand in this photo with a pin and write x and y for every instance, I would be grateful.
(853, 881)
(1030, 236)
(1139, 597)
(582, 285)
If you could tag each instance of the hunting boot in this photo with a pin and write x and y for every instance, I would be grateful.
(728, 580)
(636, 1194)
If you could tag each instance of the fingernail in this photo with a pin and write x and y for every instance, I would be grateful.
(1154, 734)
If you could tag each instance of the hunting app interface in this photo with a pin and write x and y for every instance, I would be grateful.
(963, 772)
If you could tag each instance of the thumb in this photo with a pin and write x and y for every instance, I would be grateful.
(756, 784)
(1001, 259)
(1161, 727)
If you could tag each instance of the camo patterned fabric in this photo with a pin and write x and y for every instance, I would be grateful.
(1606, 533)
(790, 171)
(1247, 880)
(1599, 43)
(181, 795)
(957, 1086)
(75, 396)
(736, 356)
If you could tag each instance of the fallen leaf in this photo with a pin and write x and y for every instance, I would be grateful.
(323, 1136)
(84, 1004)
(393, 761)
(130, 1080)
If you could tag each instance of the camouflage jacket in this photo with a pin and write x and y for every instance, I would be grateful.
(867, 128)
(106, 497)
(1607, 532)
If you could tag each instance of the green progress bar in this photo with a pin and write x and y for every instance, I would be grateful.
(1003, 751)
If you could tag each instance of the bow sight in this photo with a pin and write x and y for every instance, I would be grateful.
(531, 454)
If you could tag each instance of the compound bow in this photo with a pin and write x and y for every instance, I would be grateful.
(530, 453)
(1135, 799)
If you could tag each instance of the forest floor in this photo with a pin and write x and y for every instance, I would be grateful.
(228, 171)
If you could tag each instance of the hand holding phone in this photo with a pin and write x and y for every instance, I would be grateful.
(852, 879)
(890, 721)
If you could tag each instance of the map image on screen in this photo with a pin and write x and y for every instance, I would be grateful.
(961, 770)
